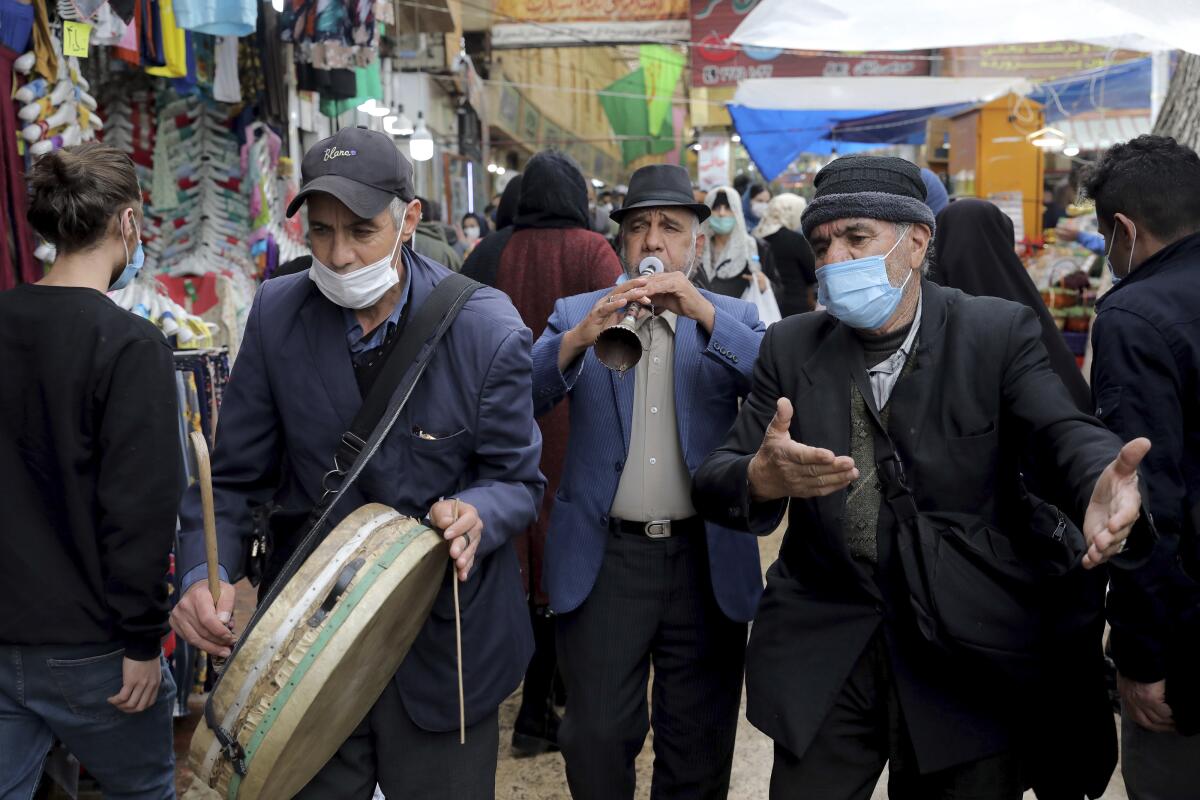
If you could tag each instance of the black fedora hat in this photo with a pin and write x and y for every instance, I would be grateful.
(660, 185)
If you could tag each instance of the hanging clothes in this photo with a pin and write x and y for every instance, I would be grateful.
(43, 45)
(174, 44)
(150, 38)
(226, 86)
(16, 244)
(218, 17)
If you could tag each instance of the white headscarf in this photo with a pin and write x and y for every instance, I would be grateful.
(784, 211)
(740, 246)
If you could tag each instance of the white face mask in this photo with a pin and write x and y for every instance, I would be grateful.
(759, 209)
(471, 233)
(361, 288)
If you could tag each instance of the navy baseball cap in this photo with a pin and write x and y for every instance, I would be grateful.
(361, 168)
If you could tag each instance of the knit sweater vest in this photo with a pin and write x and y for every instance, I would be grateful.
(860, 518)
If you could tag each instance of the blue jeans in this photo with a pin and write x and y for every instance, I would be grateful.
(63, 691)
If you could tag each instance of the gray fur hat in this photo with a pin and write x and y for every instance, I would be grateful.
(876, 187)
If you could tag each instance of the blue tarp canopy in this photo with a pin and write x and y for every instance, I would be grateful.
(775, 137)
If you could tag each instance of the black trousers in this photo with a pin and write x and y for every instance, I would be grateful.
(864, 731)
(407, 762)
(652, 604)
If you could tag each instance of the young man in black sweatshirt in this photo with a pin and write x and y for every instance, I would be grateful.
(90, 476)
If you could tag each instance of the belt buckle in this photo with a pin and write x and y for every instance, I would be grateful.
(658, 529)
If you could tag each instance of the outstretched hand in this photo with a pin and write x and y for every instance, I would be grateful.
(783, 467)
(1115, 505)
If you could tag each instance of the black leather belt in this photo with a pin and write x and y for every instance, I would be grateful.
(659, 528)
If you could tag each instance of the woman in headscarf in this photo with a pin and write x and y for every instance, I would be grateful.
(474, 229)
(791, 253)
(975, 252)
(1071, 741)
(484, 261)
(754, 203)
(548, 253)
(732, 257)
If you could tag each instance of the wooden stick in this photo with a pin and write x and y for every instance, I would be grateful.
(204, 465)
(462, 706)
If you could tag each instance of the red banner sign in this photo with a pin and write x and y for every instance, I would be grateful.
(718, 62)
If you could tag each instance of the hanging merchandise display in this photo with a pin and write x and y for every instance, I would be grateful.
(16, 252)
(60, 113)
(218, 17)
(329, 34)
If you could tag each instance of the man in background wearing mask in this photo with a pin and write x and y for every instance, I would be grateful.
(315, 342)
(837, 673)
(635, 577)
(1145, 378)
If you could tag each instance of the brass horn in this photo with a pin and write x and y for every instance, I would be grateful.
(618, 346)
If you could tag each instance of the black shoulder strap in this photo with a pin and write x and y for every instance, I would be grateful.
(382, 407)
(416, 333)
(889, 468)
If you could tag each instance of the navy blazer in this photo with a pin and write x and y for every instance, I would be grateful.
(712, 373)
(293, 392)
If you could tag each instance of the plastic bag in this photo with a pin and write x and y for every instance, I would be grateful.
(763, 300)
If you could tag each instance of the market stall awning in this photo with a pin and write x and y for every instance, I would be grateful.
(774, 138)
(1121, 86)
(780, 118)
(828, 25)
(859, 94)
(1097, 132)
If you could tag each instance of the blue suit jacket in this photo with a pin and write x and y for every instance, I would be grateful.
(711, 374)
(293, 392)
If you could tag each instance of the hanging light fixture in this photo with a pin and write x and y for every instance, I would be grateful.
(403, 125)
(398, 124)
(374, 109)
(1070, 151)
(1047, 139)
(420, 145)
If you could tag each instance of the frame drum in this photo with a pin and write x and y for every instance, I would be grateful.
(321, 654)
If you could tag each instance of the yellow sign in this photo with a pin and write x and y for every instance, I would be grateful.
(589, 10)
(76, 36)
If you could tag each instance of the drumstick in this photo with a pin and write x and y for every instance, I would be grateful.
(462, 706)
(210, 518)
(204, 466)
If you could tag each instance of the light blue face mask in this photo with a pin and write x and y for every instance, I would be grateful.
(858, 292)
(722, 226)
(132, 265)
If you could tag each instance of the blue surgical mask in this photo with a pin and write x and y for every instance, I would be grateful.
(858, 292)
(1107, 260)
(132, 265)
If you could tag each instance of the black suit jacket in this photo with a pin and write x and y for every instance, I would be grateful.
(980, 387)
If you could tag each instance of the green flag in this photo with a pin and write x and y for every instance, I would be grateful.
(662, 67)
(624, 103)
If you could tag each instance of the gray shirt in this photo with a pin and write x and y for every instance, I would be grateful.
(886, 374)
(655, 483)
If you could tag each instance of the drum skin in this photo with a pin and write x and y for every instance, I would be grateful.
(303, 679)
